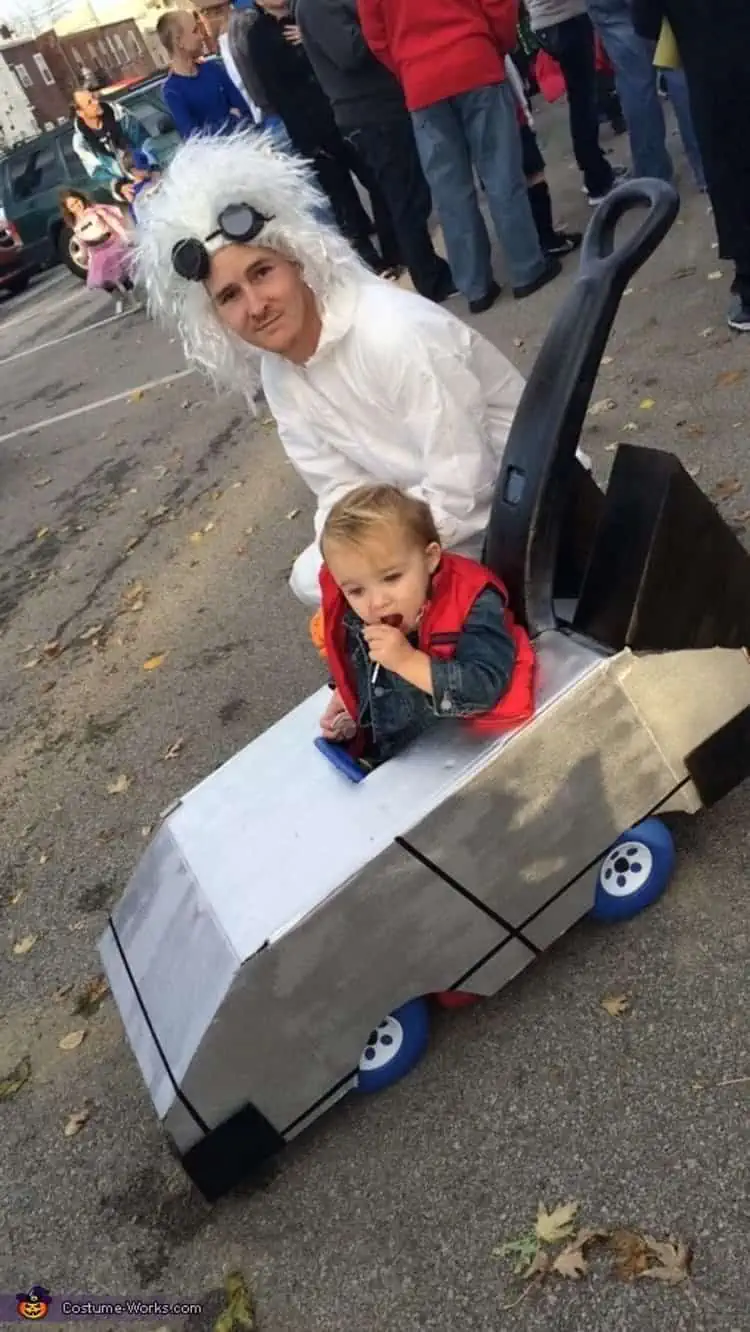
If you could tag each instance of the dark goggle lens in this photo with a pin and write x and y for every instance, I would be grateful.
(190, 260)
(241, 222)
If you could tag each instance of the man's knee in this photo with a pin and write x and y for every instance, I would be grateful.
(304, 576)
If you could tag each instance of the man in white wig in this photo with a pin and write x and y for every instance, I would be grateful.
(367, 382)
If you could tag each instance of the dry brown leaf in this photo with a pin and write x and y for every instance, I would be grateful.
(557, 1224)
(147, 830)
(706, 332)
(725, 489)
(52, 649)
(294, 513)
(43, 532)
(76, 1122)
(603, 405)
(120, 785)
(631, 1254)
(136, 395)
(29, 665)
(72, 1040)
(153, 663)
(607, 360)
(209, 527)
(44, 857)
(25, 945)
(62, 991)
(91, 997)
(647, 404)
(728, 377)
(133, 542)
(616, 1004)
(175, 748)
(12, 1081)
(673, 1260)
(42, 481)
(630, 426)
(570, 1263)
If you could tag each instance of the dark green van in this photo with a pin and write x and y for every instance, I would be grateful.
(32, 175)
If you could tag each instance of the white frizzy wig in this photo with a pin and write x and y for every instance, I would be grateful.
(206, 174)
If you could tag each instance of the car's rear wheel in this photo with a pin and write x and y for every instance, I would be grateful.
(394, 1046)
(72, 253)
(635, 872)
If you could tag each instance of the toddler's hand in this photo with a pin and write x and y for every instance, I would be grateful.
(336, 724)
(388, 646)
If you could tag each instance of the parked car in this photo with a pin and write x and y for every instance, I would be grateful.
(32, 175)
(16, 261)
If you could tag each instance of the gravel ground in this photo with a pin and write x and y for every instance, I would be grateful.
(383, 1217)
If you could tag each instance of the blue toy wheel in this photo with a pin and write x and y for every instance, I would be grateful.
(394, 1046)
(635, 872)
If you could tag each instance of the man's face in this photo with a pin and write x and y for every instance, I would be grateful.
(261, 296)
(87, 105)
(190, 36)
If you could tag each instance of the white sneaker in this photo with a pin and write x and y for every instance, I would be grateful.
(119, 305)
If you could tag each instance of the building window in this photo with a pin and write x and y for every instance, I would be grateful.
(122, 54)
(112, 49)
(135, 46)
(76, 54)
(22, 74)
(44, 70)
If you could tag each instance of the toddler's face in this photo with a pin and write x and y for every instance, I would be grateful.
(387, 576)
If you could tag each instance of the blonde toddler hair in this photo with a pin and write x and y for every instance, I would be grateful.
(356, 518)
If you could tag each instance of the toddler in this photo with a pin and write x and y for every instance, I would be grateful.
(412, 633)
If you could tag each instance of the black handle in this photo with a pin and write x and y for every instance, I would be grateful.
(539, 463)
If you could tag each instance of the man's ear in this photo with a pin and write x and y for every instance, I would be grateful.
(432, 555)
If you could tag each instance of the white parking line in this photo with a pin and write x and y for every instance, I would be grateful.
(94, 406)
(36, 310)
(55, 342)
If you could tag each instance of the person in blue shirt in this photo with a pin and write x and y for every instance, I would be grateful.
(199, 94)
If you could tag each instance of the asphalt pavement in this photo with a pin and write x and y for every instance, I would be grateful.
(142, 516)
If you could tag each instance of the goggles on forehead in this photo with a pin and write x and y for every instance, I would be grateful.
(238, 223)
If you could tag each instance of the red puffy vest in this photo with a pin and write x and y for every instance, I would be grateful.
(455, 586)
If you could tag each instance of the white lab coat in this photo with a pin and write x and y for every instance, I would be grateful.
(399, 391)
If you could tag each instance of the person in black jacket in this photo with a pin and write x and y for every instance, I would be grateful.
(371, 114)
(713, 39)
(292, 90)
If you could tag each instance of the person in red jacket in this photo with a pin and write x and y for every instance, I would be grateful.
(412, 634)
(449, 56)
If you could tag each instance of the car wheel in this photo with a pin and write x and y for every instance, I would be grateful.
(72, 253)
(635, 872)
(394, 1046)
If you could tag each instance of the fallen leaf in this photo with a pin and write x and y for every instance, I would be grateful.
(147, 830)
(236, 485)
(518, 342)
(727, 488)
(570, 1263)
(15, 1078)
(93, 632)
(524, 1250)
(615, 1004)
(239, 1312)
(672, 1263)
(209, 527)
(557, 1224)
(216, 494)
(647, 404)
(136, 395)
(43, 532)
(248, 531)
(72, 1040)
(91, 996)
(714, 277)
(25, 945)
(160, 512)
(630, 425)
(42, 481)
(76, 1122)
(153, 663)
(706, 332)
(62, 991)
(294, 513)
(628, 291)
(195, 537)
(120, 785)
(29, 665)
(631, 1254)
(596, 408)
(728, 377)
(44, 857)
(175, 748)
(607, 360)
(186, 405)
(16, 898)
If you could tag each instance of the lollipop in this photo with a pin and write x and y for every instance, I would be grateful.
(395, 621)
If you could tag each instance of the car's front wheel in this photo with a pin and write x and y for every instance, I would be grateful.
(72, 253)
(635, 872)
(394, 1046)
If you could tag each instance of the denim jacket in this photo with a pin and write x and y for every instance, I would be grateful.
(393, 712)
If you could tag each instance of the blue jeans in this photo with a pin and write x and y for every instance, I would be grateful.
(479, 129)
(632, 57)
(677, 91)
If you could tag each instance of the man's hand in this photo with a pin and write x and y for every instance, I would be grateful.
(336, 724)
(292, 34)
(388, 647)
